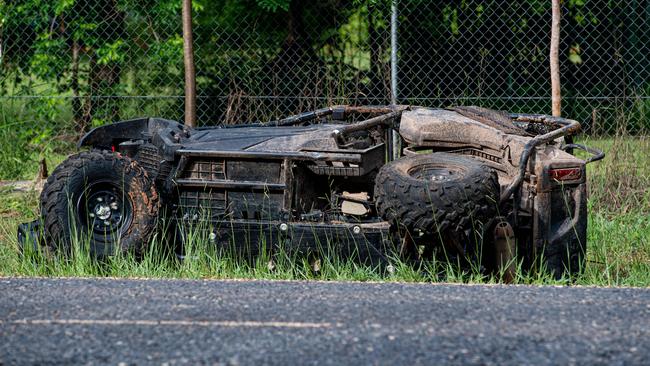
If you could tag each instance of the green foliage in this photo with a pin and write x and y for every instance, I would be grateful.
(308, 50)
(274, 5)
(110, 53)
(574, 54)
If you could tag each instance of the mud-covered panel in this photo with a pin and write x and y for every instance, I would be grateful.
(498, 119)
(364, 242)
(444, 128)
(266, 171)
(262, 138)
(560, 232)
(258, 205)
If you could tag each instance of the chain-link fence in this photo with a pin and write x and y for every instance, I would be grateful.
(69, 65)
(495, 54)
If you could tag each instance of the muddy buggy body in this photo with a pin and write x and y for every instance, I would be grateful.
(474, 185)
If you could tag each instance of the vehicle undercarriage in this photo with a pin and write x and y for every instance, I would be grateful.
(477, 185)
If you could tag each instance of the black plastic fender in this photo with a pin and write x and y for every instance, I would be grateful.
(105, 137)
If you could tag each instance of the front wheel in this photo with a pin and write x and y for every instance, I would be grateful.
(100, 198)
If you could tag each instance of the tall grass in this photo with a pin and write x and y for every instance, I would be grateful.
(207, 262)
(618, 242)
(619, 213)
(203, 259)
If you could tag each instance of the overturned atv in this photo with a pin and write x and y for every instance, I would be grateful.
(477, 185)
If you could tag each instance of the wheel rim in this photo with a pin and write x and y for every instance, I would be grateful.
(435, 173)
(104, 209)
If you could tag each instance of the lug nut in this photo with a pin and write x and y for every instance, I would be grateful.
(284, 227)
(91, 214)
(99, 199)
(114, 206)
(356, 230)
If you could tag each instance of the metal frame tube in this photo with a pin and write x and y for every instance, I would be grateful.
(569, 127)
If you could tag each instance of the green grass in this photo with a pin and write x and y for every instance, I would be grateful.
(619, 213)
(618, 253)
(25, 139)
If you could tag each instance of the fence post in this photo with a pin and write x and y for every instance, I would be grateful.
(396, 150)
(556, 96)
(188, 60)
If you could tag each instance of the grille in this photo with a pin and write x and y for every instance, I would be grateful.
(200, 203)
(205, 170)
(336, 168)
(149, 158)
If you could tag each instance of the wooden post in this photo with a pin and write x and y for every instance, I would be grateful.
(556, 96)
(188, 60)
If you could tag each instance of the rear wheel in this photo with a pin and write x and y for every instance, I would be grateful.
(100, 198)
(441, 196)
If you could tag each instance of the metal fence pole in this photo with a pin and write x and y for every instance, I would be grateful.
(396, 150)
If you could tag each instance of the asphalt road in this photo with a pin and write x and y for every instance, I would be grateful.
(79, 321)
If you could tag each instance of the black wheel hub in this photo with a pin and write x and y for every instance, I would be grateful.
(104, 208)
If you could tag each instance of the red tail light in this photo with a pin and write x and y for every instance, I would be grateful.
(564, 174)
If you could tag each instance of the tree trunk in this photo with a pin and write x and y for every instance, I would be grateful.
(188, 60)
(556, 97)
(74, 84)
(374, 42)
(81, 119)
